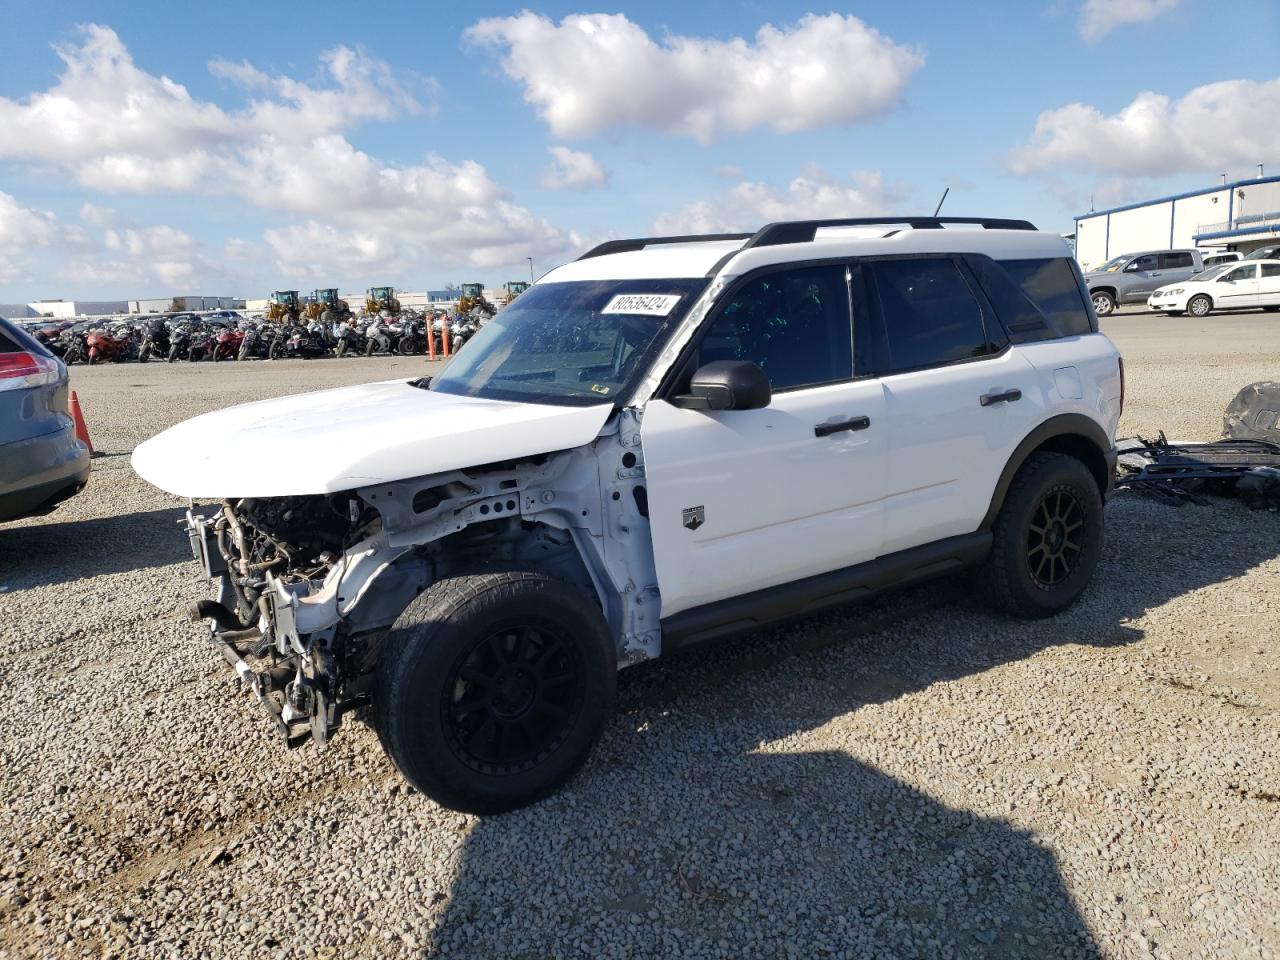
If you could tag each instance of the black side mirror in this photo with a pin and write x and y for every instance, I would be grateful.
(726, 385)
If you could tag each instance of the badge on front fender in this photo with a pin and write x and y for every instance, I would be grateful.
(694, 517)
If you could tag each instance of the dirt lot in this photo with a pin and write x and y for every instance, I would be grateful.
(914, 777)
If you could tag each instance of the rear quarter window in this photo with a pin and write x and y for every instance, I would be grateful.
(1052, 286)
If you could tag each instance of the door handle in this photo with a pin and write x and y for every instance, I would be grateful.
(1008, 396)
(853, 423)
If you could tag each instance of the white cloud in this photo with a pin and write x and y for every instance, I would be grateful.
(114, 127)
(573, 170)
(728, 171)
(1100, 17)
(1209, 129)
(815, 194)
(25, 232)
(595, 71)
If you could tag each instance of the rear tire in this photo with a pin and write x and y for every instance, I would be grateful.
(1047, 538)
(493, 688)
(1104, 304)
(1199, 305)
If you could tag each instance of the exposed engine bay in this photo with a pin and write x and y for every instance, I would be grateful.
(306, 587)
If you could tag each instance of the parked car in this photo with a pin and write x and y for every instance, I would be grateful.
(1212, 260)
(651, 447)
(41, 461)
(1131, 278)
(1270, 251)
(1249, 283)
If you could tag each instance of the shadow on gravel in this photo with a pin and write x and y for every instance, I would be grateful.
(40, 554)
(682, 838)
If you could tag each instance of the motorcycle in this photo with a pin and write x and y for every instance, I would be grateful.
(377, 338)
(252, 343)
(226, 346)
(460, 332)
(351, 339)
(73, 347)
(155, 342)
(179, 342)
(103, 345)
(200, 346)
(304, 342)
(412, 338)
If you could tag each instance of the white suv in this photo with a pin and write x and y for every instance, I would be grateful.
(665, 441)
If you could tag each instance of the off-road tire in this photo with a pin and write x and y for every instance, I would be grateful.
(1013, 576)
(1104, 304)
(1200, 305)
(447, 635)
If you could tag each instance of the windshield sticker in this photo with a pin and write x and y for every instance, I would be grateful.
(644, 304)
(599, 388)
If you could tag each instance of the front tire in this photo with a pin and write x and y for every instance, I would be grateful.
(1104, 304)
(1047, 538)
(1199, 305)
(493, 688)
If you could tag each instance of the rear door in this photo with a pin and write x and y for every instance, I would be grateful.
(1175, 265)
(958, 398)
(1269, 285)
(741, 500)
(1236, 288)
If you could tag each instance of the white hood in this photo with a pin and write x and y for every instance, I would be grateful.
(335, 440)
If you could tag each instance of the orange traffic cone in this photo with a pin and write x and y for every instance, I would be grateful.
(82, 432)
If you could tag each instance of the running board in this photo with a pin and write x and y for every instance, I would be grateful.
(744, 614)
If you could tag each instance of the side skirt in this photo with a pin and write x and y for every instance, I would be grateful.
(743, 614)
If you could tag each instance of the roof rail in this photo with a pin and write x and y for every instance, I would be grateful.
(627, 246)
(804, 231)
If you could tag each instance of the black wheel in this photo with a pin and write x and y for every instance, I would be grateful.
(1199, 305)
(144, 355)
(1104, 304)
(173, 354)
(369, 348)
(243, 352)
(493, 688)
(275, 350)
(217, 354)
(1047, 538)
(342, 348)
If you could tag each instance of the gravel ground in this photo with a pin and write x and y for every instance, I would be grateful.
(912, 777)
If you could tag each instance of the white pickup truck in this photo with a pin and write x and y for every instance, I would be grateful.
(665, 441)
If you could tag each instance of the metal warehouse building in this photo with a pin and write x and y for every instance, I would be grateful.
(1231, 216)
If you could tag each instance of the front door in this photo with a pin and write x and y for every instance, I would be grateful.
(741, 500)
(1236, 288)
(1141, 277)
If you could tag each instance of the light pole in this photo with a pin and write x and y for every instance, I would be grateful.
(530, 259)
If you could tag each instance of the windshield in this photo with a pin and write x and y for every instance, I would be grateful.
(570, 343)
(1115, 263)
(1216, 270)
(1263, 253)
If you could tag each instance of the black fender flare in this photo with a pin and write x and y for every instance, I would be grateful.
(1066, 432)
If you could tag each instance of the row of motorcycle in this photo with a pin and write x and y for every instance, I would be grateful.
(228, 336)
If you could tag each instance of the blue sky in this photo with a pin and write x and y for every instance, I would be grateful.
(419, 153)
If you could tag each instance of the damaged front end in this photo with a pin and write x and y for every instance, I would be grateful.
(275, 565)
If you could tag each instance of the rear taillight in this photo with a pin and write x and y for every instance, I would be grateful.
(1121, 362)
(24, 369)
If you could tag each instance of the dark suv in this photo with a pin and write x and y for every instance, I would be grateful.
(41, 461)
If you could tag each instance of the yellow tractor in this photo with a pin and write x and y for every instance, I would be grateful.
(284, 307)
(378, 299)
(327, 299)
(472, 298)
(514, 288)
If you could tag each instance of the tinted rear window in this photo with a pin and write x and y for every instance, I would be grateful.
(13, 340)
(1051, 285)
(1175, 261)
(930, 316)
